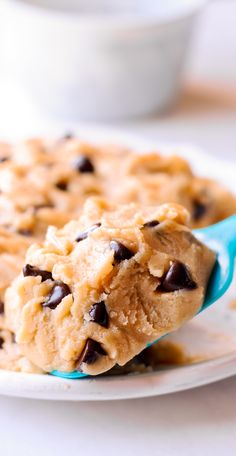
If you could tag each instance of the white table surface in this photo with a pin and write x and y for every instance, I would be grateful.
(198, 422)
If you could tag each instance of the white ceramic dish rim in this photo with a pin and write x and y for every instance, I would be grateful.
(100, 21)
(35, 386)
(140, 385)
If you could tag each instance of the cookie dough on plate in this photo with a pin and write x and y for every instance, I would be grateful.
(97, 291)
(46, 183)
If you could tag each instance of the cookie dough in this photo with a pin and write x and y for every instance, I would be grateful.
(96, 292)
(45, 183)
(11, 357)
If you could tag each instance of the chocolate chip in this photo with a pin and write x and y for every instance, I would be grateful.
(62, 185)
(57, 293)
(84, 234)
(151, 224)
(121, 252)
(91, 352)
(98, 314)
(25, 232)
(83, 165)
(3, 159)
(13, 338)
(1, 307)
(1, 341)
(199, 210)
(29, 270)
(178, 277)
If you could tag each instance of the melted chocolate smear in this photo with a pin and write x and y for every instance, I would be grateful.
(178, 277)
(29, 270)
(90, 354)
(57, 293)
(99, 315)
(84, 234)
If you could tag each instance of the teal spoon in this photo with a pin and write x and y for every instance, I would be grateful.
(221, 238)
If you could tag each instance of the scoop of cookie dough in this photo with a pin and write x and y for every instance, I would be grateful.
(96, 292)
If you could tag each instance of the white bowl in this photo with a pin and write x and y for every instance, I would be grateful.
(99, 59)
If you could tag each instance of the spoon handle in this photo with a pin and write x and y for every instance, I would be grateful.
(224, 232)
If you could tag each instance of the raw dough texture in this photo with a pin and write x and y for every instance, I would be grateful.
(45, 183)
(97, 291)
(11, 357)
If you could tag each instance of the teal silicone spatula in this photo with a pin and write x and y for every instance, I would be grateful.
(221, 238)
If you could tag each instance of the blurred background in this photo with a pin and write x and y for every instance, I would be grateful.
(164, 69)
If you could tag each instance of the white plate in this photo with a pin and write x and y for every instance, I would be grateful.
(211, 334)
